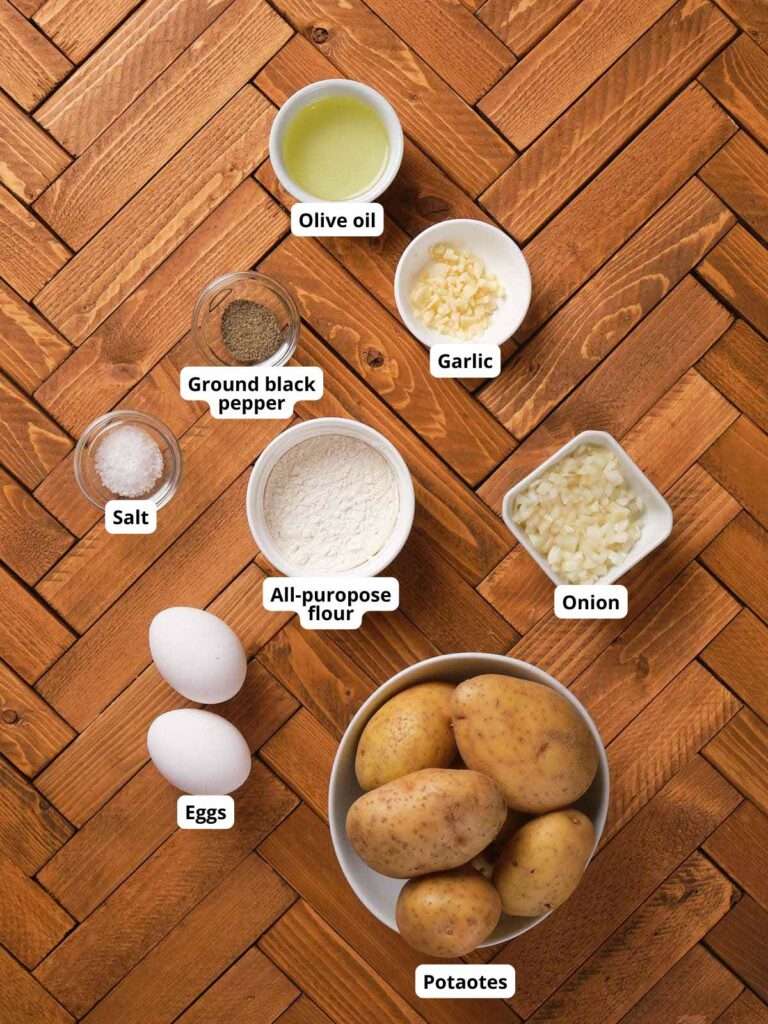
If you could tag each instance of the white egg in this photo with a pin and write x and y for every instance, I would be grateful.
(199, 752)
(198, 654)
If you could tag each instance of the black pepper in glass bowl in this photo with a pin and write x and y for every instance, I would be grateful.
(245, 319)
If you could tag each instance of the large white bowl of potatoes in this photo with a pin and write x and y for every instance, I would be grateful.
(466, 799)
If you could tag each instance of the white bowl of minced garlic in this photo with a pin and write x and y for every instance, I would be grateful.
(462, 281)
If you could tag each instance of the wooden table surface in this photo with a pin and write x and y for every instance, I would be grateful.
(622, 144)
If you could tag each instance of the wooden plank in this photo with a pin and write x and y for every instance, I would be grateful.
(601, 314)
(31, 924)
(31, 348)
(159, 218)
(739, 656)
(518, 589)
(158, 394)
(658, 645)
(174, 107)
(31, 638)
(302, 754)
(31, 444)
(156, 315)
(191, 572)
(213, 935)
(108, 944)
(649, 74)
(454, 43)
(739, 461)
(313, 670)
(304, 1011)
(30, 159)
(697, 988)
(78, 26)
(540, 87)
(739, 845)
(739, 175)
(678, 429)
(740, 752)
(384, 644)
(24, 999)
(120, 70)
(738, 79)
(215, 453)
(252, 981)
(751, 16)
(747, 1009)
(450, 132)
(634, 185)
(30, 66)
(340, 982)
(663, 738)
(739, 557)
(523, 23)
(300, 850)
(739, 939)
(29, 254)
(642, 950)
(129, 827)
(623, 874)
(31, 830)
(393, 363)
(737, 365)
(89, 771)
(458, 522)
(737, 269)
(30, 539)
(31, 733)
(702, 509)
(626, 384)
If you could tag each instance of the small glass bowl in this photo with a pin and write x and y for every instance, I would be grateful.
(217, 295)
(87, 475)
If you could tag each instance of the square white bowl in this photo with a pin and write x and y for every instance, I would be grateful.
(655, 522)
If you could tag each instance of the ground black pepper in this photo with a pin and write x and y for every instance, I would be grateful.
(250, 332)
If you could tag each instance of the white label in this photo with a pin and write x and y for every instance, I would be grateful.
(337, 220)
(205, 812)
(251, 392)
(331, 602)
(130, 516)
(601, 601)
(464, 359)
(465, 981)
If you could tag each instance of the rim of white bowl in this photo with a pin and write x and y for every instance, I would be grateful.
(339, 87)
(445, 227)
(337, 814)
(311, 428)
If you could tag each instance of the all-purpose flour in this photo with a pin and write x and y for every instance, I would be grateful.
(331, 503)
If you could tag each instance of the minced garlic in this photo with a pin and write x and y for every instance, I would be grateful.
(454, 295)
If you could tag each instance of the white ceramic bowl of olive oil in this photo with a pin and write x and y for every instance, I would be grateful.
(336, 141)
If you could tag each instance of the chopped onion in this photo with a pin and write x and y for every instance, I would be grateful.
(581, 514)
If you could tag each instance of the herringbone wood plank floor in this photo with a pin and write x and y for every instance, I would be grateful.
(623, 144)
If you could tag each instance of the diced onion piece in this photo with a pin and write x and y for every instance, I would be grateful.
(581, 515)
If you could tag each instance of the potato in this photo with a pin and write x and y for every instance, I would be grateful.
(430, 820)
(543, 862)
(528, 738)
(411, 731)
(447, 914)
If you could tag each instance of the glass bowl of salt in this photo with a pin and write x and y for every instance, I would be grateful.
(128, 455)
(245, 319)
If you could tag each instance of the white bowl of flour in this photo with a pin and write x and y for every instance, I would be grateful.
(330, 497)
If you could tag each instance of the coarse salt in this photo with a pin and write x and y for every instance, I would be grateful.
(129, 462)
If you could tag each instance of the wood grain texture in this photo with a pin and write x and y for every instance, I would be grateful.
(624, 145)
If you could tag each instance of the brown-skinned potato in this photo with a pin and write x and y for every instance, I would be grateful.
(447, 914)
(431, 820)
(527, 737)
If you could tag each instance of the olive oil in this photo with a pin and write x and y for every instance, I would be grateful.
(336, 148)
